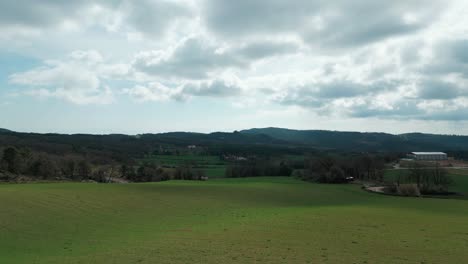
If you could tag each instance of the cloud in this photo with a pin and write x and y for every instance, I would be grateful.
(191, 59)
(438, 89)
(76, 80)
(315, 95)
(30, 13)
(264, 49)
(400, 109)
(214, 88)
(386, 59)
(321, 23)
(197, 58)
(414, 109)
(155, 91)
(448, 56)
(153, 18)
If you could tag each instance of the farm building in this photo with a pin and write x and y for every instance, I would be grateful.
(428, 155)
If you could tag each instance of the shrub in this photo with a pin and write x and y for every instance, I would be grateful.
(408, 190)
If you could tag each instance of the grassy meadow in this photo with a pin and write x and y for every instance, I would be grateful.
(253, 220)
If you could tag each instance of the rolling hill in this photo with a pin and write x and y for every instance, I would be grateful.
(357, 141)
(252, 141)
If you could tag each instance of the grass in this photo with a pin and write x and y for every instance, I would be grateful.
(460, 181)
(213, 166)
(268, 220)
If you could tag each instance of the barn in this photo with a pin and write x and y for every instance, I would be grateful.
(428, 155)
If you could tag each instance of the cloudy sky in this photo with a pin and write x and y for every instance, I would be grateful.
(212, 65)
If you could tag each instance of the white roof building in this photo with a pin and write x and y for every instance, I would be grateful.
(428, 155)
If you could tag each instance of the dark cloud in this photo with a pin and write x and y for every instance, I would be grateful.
(459, 50)
(196, 59)
(436, 89)
(343, 89)
(448, 57)
(246, 17)
(193, 59)
(321, 23)
(264, 49)
(154, 17)
(361, 22)
(32, 13)
(403, 109)
(151, 17)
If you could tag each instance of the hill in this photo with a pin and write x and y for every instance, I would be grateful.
(269, 141)
(357, 141)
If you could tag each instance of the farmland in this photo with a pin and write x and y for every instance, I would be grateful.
(213, 166)
(272, 220)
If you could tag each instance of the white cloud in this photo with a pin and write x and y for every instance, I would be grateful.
(153, 92)
(76, 80)
(192, 58)
(214, 88)
(200, 58)
(389, 60)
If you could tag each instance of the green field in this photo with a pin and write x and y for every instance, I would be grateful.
(184, 159)
(213, 166)
(261, 220)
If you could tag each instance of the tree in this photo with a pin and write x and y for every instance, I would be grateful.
(428, 179)
(336, 175)
(124, 170)
(11, 157)
(70, 168)
(84, 170)
(111, 173)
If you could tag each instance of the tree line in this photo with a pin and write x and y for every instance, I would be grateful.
(428, 179)
(341, 169)
(258, 167)
(23, 163)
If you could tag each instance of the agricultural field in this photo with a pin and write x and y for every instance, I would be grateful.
(251, 220)
(184, 159)
(213, 166)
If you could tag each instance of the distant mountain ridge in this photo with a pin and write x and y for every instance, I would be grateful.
(365, 141)
(269, 139)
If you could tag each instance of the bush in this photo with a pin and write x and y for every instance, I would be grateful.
(408, 190)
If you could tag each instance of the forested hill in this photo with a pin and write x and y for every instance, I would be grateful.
(120, 146)
(357, 141)
(263, 140)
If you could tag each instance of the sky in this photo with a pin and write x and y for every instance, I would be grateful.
(149, 66)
